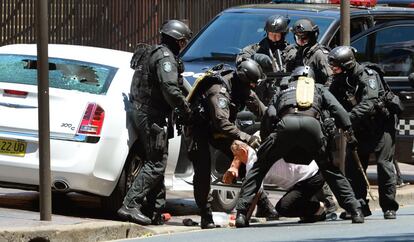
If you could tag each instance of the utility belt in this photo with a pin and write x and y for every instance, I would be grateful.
(149, 110)
(311, 112)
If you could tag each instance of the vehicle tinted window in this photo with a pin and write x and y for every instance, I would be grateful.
(392, 48)
(230, 32)
(63, 74)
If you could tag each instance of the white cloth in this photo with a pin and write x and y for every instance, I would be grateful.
(283, 174)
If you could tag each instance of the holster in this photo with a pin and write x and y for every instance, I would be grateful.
(160, 136)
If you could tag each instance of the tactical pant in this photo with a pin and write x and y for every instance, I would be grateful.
(297, 139)
(152, 148)
(383, 146)
(301, 200)
(199, 153)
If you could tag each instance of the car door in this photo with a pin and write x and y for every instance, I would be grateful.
(391, 45)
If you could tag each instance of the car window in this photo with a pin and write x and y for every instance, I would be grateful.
(357, 25)
(391, 47)
(230, 32)
(63, 74)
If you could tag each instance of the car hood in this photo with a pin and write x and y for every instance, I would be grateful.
(195, 69)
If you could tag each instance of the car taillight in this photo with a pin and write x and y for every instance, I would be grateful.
(92, 120)
(366, 3)
(15, 93)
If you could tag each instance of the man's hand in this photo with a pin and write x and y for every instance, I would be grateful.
(350, 139)
(264, 60)
(231, 174)
(254, 141)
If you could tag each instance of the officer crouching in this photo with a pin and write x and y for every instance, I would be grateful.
(360, 90)
(293, 121)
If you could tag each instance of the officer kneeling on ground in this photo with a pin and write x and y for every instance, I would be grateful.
(297, 137)
(155, 92)
(216, 102)
(360, 90)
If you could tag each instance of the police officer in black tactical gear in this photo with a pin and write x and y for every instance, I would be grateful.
(214, 125)
(359, 89)
(293, 131)
(276, 28)
(154, 95)
(308, 51)
(266, 53)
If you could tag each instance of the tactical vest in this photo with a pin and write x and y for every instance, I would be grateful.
(287, 99)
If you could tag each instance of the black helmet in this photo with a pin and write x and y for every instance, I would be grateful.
(342, 56)
(277, 24)
(176, 29)
(302, 71)
(249, 71)
(306, 26)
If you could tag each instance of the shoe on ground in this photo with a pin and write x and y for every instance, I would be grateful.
(365, 211)
(265, 209)
(357, 216)
(390, 214)
(207, 221)
(241, 220)
(133, 214)
(313, 218)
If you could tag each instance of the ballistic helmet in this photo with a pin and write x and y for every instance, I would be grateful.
(302, 71)
(277, 24)
(342, 56)
(306, 26)
(249, 71)
(176, 29)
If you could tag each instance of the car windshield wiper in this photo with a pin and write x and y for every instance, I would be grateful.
(215, 56)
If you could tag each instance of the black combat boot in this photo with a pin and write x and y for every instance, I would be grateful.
(390, 214)
(265, 209)
(133, 214)
(207, 221)
(157, 219)
(241, 219)
(357, 216)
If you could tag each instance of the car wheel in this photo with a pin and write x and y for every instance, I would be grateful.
(224, 200)
(112, 203)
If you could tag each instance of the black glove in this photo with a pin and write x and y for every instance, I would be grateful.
(264, 61)
(184, 116)
(350, 139)
(254, 141)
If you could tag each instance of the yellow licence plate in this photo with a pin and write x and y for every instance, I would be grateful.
(12, 147)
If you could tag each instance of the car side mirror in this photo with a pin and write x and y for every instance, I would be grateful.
(411, 79)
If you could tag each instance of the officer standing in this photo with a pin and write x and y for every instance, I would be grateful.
(266, 52)
(214, 124)
(154, 95)
(359, 89)
(308, 51)
(295, 134)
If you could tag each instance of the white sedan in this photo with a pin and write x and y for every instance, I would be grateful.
(90, 133)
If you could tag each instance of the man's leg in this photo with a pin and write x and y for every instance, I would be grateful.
(386, 176)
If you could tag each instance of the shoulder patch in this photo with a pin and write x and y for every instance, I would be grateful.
(222, 103)
(166, 66)
(372, 83)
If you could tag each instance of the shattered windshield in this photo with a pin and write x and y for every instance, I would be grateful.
(63, 73)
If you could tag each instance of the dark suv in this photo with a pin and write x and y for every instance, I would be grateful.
(383, 35)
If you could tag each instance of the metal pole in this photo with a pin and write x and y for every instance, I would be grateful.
(345, 23)
(43, 103)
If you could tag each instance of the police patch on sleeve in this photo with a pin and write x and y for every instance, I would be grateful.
(166, 66)
(372, 83)
(222, 103)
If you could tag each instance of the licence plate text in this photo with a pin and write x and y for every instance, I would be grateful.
(12, 147)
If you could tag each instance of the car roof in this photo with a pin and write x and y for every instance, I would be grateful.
(332, 10)
(109, 57)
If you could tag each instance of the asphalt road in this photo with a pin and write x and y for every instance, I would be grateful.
(374, 229)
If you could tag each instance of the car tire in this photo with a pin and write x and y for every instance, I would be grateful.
(224, 200)
(112, 203)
